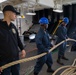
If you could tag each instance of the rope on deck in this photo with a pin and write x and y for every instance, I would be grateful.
(34, 57)
(70, 70)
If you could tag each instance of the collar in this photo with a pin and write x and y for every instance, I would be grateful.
(4, 24)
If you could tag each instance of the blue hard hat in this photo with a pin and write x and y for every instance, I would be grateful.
(66, 20)
(43, 20)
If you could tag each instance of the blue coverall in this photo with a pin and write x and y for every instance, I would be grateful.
(62, 35)
(43, 44)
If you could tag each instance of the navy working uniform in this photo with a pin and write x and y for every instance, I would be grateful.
(62, 35)
(43, 44)
(9, 43)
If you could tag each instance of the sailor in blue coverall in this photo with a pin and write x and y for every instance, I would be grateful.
(62, 35)
(43, 44)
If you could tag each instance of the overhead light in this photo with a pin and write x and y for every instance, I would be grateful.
(30, 13)
(57, 10)
(58, 7)
(2, 1)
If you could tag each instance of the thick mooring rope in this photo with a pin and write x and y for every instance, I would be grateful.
(69, 70)
(34, 57)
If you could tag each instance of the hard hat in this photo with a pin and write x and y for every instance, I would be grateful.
(66, 20)
(43, 20)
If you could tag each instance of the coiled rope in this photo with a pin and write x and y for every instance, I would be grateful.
(34, 57)
(70, 70)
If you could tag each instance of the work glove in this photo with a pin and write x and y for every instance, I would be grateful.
(48, 51)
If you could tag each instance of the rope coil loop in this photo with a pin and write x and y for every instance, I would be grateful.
(71, 70)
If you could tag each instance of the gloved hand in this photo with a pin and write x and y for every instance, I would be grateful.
(65, 40)
(48, 51)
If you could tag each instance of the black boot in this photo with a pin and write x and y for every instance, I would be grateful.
(50, 70)
(59, 62)
(65, 58)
